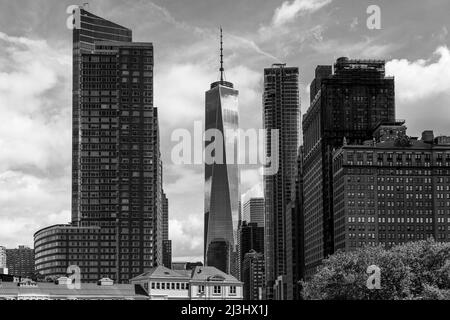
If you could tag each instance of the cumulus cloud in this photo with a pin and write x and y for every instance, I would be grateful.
(290, 10)
(251, 184)
(421, 78)
(422, 89)
(180, 97)
(187, 237)
(35, 150)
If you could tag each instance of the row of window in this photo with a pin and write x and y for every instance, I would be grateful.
(185, 286)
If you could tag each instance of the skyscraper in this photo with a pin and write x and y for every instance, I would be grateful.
(20, 262)
(250, 237)
(281, 105)
(253, 275)
(167, 244)
(88, 28)
(2, 257)
(349, 104)
(295, 233)
(254, 211)
(116, 162)
(221, 175)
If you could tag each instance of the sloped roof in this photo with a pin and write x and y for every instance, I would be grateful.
(161, 272)
(186, 273)
(201, 274)
(212, 274)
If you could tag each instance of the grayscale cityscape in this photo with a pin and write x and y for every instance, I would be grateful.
(225, 150)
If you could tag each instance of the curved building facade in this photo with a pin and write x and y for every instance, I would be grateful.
(90, 248)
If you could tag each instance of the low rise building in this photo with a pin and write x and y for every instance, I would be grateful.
(209, 283)
(162, 283)
(63, 290)
(200, 283)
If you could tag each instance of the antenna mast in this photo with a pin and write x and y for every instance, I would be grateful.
(221, 56)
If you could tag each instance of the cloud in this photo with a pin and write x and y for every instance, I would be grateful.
(29, 203)
(421, 78)
(285, 35)
(366, 48)
(187, 237)
(249, 83)
(441, 35)
(35, 149)
(184, 179)
(251, 181)
(239, 41)
(290, 10)
(180, 97)
(184, 186)
(422, 89)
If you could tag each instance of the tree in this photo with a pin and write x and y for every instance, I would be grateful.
(416, 270)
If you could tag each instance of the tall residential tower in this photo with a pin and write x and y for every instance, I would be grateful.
(281, 105)
(116, 162)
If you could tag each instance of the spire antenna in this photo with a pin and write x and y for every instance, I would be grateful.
(221, 56)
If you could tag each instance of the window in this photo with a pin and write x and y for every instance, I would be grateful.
(233, 290)
(201, 289)
(217, 290)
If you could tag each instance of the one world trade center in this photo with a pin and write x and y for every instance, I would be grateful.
(221, 175)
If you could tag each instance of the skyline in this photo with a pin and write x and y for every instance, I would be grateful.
(38, 178)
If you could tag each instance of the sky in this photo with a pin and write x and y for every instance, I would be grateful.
(35, 85)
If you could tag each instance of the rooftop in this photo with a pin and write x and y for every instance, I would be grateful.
(162, 272)
(201, 274)
(124, 44)
(211, 274)
(86, 290)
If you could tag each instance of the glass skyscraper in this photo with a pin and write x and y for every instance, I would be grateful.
(222, 176)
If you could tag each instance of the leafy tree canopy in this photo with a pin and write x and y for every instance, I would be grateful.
(413, 271)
